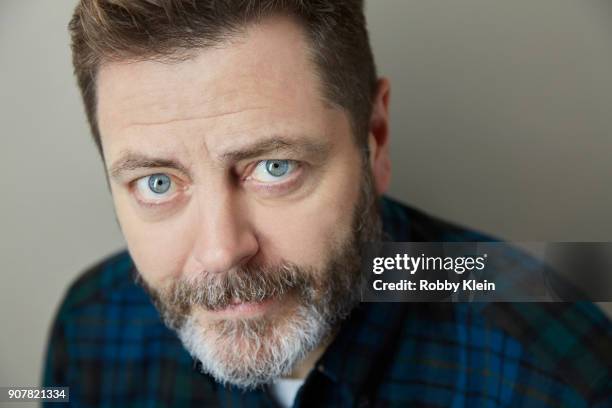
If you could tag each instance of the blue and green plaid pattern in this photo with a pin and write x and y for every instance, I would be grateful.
(110, 347)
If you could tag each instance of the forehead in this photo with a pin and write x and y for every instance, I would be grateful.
(266, 73)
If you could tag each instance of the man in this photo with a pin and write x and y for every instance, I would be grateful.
(246, 147)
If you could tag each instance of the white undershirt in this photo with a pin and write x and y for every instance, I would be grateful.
(284, 390)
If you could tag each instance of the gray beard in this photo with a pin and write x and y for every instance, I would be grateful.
(251, 352)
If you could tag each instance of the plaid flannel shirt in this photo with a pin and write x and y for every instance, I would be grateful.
(110, 347)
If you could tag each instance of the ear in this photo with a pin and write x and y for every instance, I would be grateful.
(378, 137)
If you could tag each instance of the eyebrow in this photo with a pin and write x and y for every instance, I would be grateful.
(131, 161)
(304, 146)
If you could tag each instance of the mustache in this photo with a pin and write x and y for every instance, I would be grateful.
(240, 285)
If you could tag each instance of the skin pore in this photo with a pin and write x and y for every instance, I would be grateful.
(260, 169)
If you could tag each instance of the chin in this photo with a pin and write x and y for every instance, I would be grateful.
(256, 350)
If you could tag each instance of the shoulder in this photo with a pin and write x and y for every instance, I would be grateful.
(518, 354)
(109, 280)
(558, 350)
(104, 305)
(403, 222)
(109, 345)
(568, 342)
(104, 291)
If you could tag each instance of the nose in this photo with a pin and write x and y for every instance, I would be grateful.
(225, 238)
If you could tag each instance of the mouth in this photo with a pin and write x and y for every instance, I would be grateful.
(240, 309)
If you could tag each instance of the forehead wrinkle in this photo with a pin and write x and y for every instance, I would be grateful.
(155, 102)
(194, 118)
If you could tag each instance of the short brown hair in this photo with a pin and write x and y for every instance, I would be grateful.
(111, 30)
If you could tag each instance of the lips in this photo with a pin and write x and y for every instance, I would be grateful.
(239, 308)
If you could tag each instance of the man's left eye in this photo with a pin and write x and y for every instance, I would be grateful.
(269, 171)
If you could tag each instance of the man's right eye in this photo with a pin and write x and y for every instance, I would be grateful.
(155, 188)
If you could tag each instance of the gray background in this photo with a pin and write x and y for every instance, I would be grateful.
(500, 121)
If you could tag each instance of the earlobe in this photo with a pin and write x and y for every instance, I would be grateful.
(378, 138)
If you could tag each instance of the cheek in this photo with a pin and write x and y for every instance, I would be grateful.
(305, 231)
(154, 247)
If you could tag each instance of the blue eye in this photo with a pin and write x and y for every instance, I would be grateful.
(277, 168)
(159, 183)
(271, 171)
(156, 187)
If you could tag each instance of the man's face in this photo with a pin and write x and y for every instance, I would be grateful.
(239, 191)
